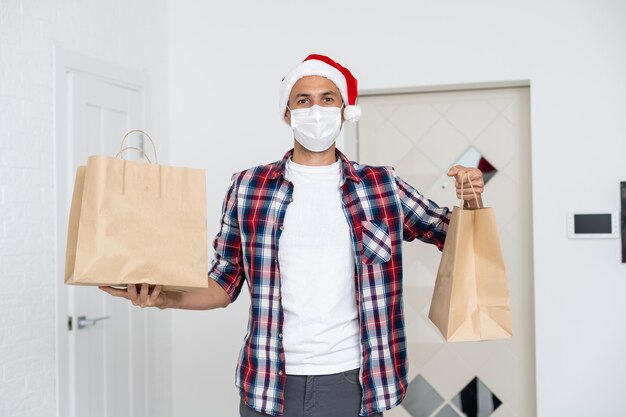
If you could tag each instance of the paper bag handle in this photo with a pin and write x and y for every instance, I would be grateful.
(124, 167)
(156, 159)
(473, 191)
(135, 148)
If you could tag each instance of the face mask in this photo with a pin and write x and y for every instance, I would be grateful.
(316, 128)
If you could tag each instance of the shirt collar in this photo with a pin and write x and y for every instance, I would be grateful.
(347, 170)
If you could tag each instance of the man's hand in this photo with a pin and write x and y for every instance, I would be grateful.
(213, 296)
(476, 177)
(143, 298)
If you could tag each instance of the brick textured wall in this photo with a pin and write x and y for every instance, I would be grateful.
(130, 33)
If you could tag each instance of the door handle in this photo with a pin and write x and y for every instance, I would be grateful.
(83, 321)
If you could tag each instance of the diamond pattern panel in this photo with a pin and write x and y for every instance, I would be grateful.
(503, 197)
(500, 103)
(389, 147)
(448, 371)
(387, 110)
(442, 192)
(421, 399)
(398, 412)
(442, 106)
(514, 168)
(498, 142)
(420, 264)
(471, 117)
(421, 330)
(476, 400)
(422, 135)
(443, 144)
(422, 353)
(515, 112)
(447, 411)
(490, 372)
(418, 297)
(417, 169)
(372, 120)
(414, 120)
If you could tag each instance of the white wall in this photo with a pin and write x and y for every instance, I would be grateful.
(132, 34)
(227, 59)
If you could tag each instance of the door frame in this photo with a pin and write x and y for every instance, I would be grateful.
(66, 63)
(351, 132)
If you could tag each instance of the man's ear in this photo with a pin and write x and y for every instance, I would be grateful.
(287, 117)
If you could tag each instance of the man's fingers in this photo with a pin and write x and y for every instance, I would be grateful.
(468, 197)
(466, 184)
(474, 175)
(454, 172)
(469, 192)
(470, 179)
(115, 292)
(144, 294)
(473, 172)
(132, 292)
(155, 295)
(142, 298)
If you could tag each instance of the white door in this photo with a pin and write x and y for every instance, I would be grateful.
(422, 135)
(102, 364)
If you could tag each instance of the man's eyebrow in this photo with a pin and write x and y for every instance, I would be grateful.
(325, 93)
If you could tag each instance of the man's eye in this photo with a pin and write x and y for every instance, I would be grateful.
(328, 99)
(303, 101)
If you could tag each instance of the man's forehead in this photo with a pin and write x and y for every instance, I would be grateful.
(316, 82)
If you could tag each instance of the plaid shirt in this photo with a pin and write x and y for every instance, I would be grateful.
(381, 211)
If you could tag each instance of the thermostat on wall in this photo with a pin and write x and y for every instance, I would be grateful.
(592, 225)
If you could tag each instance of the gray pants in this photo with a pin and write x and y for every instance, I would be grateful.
(334, 395)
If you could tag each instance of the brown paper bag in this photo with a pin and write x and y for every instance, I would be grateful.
(132, 223)
(471, 299)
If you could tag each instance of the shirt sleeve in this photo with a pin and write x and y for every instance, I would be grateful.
(227, 266)
(423, 218)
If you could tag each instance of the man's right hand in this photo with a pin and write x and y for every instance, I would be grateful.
(141, 298)
(213, 296)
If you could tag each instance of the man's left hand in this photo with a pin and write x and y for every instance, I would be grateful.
(475, 176)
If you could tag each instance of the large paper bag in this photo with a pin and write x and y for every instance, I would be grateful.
(471, 298)
(132, 223)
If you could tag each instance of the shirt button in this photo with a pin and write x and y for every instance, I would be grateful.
(280, 372)
(290, 199)
(280, 335)
(282, 227)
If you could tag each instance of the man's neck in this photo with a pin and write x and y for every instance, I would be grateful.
(303, 156)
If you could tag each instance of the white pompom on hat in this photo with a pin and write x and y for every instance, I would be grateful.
(323, 66)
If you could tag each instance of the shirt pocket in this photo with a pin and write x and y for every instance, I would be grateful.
(375, 241)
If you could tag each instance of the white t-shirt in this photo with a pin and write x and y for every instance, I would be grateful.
(316, 259)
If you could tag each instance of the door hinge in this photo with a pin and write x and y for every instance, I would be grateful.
(69, 323)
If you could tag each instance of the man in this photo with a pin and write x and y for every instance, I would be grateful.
(318, 240)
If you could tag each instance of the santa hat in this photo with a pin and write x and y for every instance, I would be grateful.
(323, 66)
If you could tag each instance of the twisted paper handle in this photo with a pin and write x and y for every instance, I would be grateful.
(122, 148)
(135, 148)
(156, 160)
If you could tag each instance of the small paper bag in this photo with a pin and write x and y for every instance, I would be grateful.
(471, 298)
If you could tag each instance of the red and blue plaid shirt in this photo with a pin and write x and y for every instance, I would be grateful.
(381, 210)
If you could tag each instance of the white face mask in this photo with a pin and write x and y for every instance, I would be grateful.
(316, 128)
